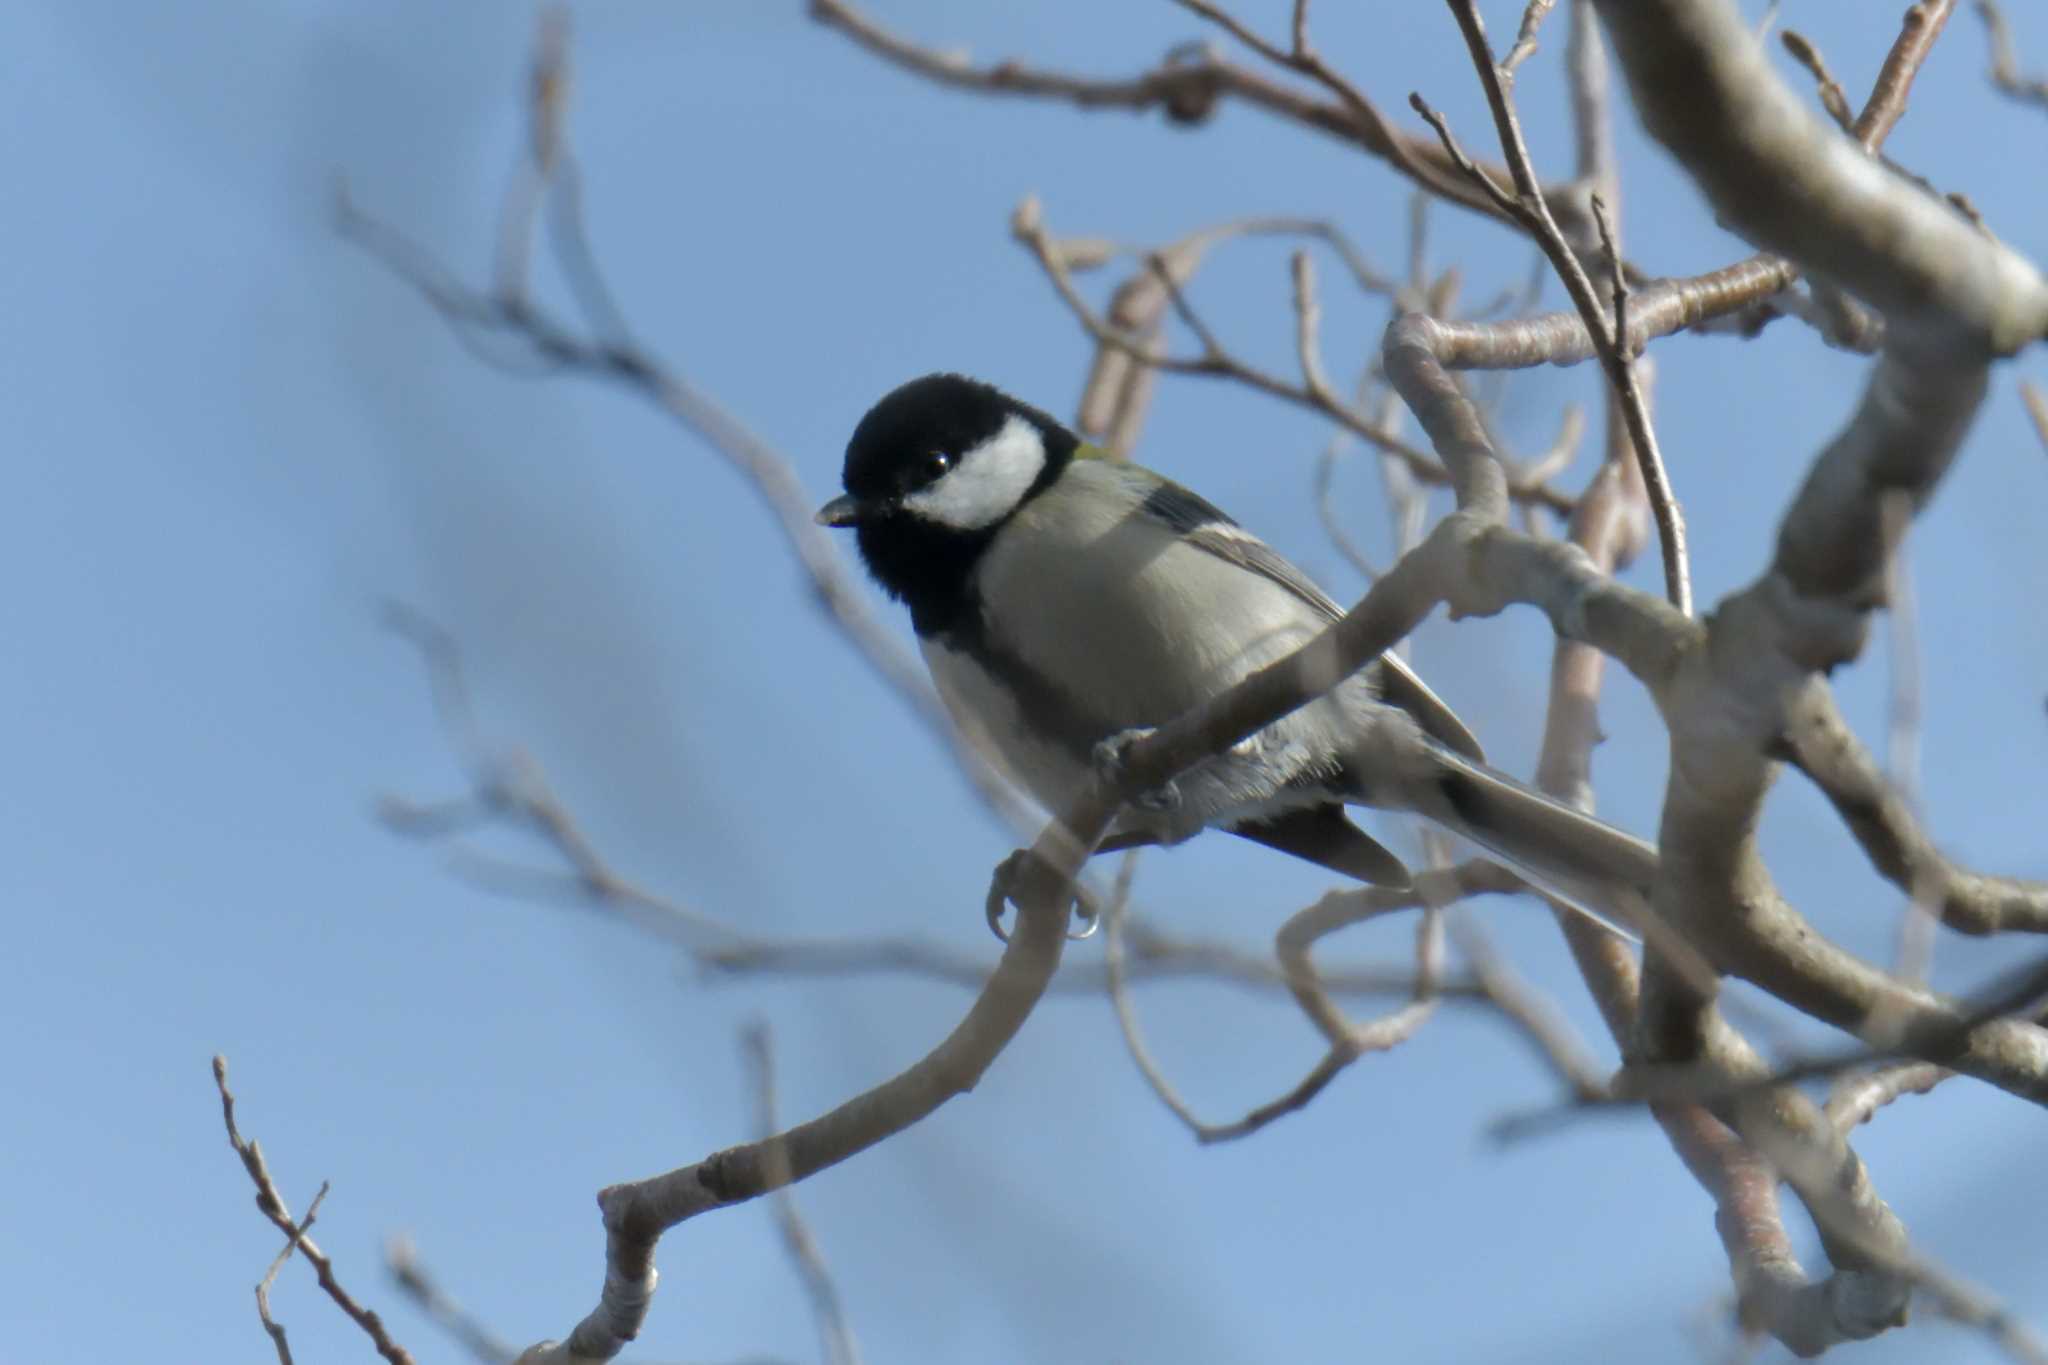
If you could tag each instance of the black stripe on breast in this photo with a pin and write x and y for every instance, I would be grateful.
(1046, 709)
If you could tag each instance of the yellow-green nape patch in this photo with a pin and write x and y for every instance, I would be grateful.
(1088, 450)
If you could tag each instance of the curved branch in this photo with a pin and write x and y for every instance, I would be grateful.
(637, 1214)
(1827, 751)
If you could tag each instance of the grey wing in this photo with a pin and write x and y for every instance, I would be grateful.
(1203, 525)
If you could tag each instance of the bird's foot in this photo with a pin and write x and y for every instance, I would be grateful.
(1110, 757)
(1002, 894)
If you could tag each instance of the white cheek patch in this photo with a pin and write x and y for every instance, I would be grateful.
(988, 482)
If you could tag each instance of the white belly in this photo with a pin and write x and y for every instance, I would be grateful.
(1265, 775)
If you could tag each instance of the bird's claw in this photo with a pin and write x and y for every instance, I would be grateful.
(1002, 885)
(1110, 756)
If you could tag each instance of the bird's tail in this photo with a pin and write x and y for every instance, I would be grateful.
(1582, 862)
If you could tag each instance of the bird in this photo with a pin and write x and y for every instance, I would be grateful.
(1068, 601)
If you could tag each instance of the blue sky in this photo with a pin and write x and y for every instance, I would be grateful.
(232, 435)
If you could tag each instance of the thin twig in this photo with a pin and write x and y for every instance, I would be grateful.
(1903, 728)
(402, 1262)
(1027, 225)
(272, 1206)
(1539, 1020)
(552, 345)
(1642, 432)
(1615, 350)
(1563, 448)
(271, 1324)
(2020, 994)
(1832, 97)
(1293, 1101)
(2005, 59)
(514, 793)
(1525, 37)
(835, 1332)
(1405, 154)
(1188, 87)
(509, 786)
(1323, 479)
(1347, 1041)
(1923, 23)
(1308, 317)
(1117, 393)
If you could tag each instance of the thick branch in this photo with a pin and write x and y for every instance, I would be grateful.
(1720, 897)
(1793, 185)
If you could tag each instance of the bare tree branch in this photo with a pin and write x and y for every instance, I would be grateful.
(1823, 747)
(272, 1206)
(1117, 393)
(1525, 37)
(2005, 60)
(1832, 97)
(1775, 948)
(1405, 153)
(1728, 1073)
(1894, 267)
(637, 1214)
(1914, 957)
(513, 792)
(1900, 249)
(1188, 86)
(1634, 401)
(1611, 338)
(1027, 224)
(410, 1274)
(1858, 1098)
(835, 1333)
(507, 314)
(1295, 1099)
(1922, 24)
(1347, 1041)
(1539, 1021)
(272, 1325)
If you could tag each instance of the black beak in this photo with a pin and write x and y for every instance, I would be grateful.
(844, 510)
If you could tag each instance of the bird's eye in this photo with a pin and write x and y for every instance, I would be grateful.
(936, 464)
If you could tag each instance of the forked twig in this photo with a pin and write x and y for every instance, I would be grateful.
(272, 1206)
(1614, 348)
